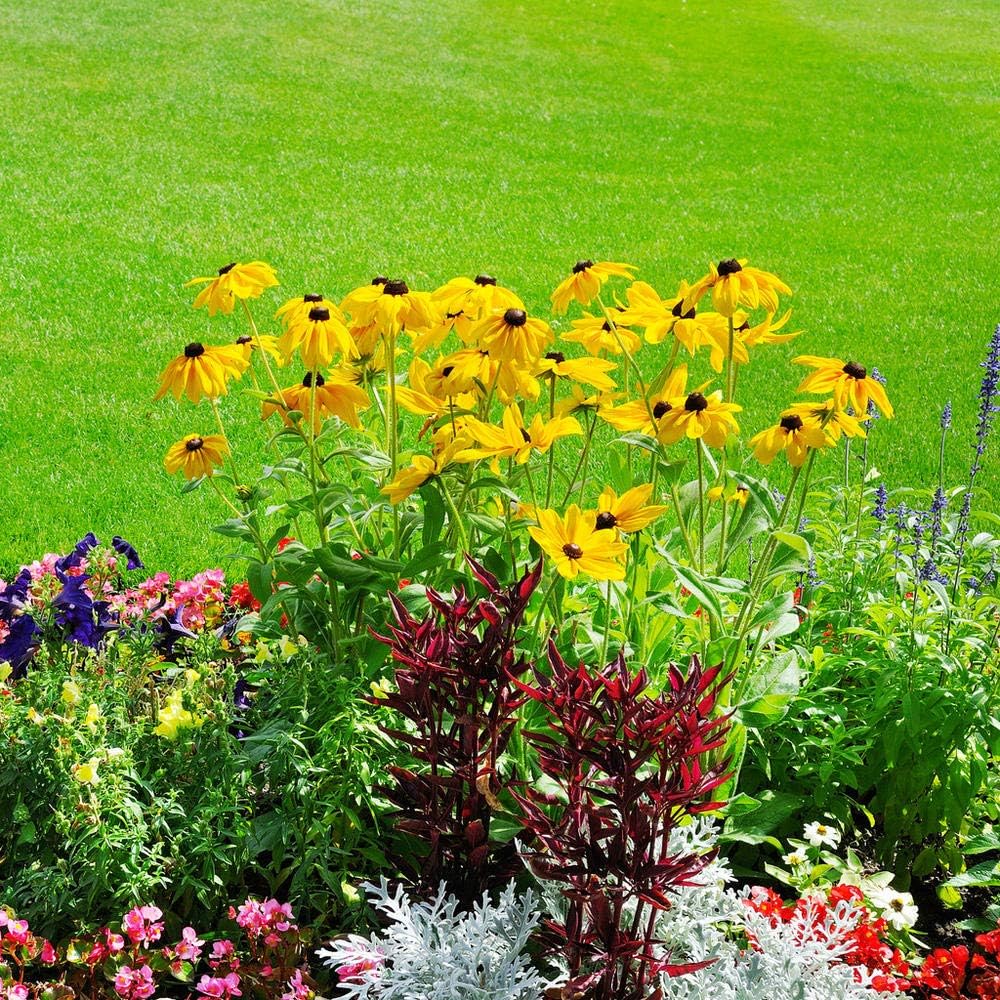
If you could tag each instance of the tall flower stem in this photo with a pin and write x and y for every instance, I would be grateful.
(582, 463)
(701, 507)
(676, 498)
(552, 447)
(455, 517)
(730, 366)
(214, 403)
(607, 625)
(261, 351)
(392, 417)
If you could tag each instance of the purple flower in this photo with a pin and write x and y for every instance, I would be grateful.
(124, 548)
(879, 511)
(946, 416)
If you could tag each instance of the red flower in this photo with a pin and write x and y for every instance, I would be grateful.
(284, 543)
(240, 597)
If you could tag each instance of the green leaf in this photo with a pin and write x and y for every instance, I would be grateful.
(434, 513)
(986, 873)
(981, 843)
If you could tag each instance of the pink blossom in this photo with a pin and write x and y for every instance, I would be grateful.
(48, 953)
(140, 924)
(19, 991)
(189, 948)
(135, 984)
(269, 919)
(4, 918)
(224, 953)
(18, 931)
(297, 990)
(221, 987)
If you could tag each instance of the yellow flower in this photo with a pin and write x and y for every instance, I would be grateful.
(733, 284)
(766, 332)
(576, 546)
(513, 440)
(629, 512)
(174, 717)
(699, 416)
(71, 693)
(423, 469)
(662, 317)
(335, 397)
(585, 282)
(234, 281)
(513, 336)
(36, 717)
(92, 717)
(635, 416)
(202, 371)
(317, 336)
(834, 421)
(588, 371)
(578, 400)
(463, 302)
(298, 309)
(596, 334)
(390, 306)
(740, 495)
(267, 343)
(196, 455)
(418, 398)
(849, 382)
(460, 372)
(793, 435)
(86, 774)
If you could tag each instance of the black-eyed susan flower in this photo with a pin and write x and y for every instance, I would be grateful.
(578, 400)
(463, 371)
(464, 301)
(734, 284)
(512, 439)
(739, 494)
(767, 331)
(234, 281)
(196, 455)
(645, 417)
(629, 512)
(661, 318)
(699, 416)
(585, 282)
(389, 305)
(848, 381)
(587, 371)
(417, 397)
(202, 371)
(793, 434)
(264, 341)
(576, 546)
(422, 469)
(512, 336)
(318, 336)
(334, 397)
(597, 336)
(297, 309)
(834, 421)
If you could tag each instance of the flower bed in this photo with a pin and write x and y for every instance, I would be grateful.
(493, 658)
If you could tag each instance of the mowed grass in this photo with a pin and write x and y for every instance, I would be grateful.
(851, 149)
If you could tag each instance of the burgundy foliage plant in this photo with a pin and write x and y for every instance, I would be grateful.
(629, 764)
(454, 686)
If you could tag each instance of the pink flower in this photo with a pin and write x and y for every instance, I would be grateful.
(224, 953)
(141, 926)
(19, 991)
(189, 947)
(297, 990)
(221, 987)
(18, 931)
(269, 919)
(135, 984)
(48, 954)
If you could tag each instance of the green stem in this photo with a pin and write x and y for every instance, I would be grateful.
(675, 496)
(456, 517)
(730, 385)
(262, 352)
(581, 463)
(552, 447)
(701, 508)
(214, 403)
(607, 625)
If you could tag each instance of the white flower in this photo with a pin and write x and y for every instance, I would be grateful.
(795, 859)
(818, 834)
(898, 908)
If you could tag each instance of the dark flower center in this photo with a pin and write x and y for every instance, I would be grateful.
(312, 297)
(194, 350)
(582, 265)
(730, 266)
(525, 435)
(245, 339)
(678, 311)
(379, 280)
(605, 519)
(791, 424)
(484, 279)
(695, 403)
(606, 326)
(447, 370)
(226, 269)
(557, 356)
(395, 288)
(661, 408)
(855, 370)
(515, 317)
(454, 315)
(572, 550)
(744, 326)
(195, 444)
(307, 380)
(319, 314)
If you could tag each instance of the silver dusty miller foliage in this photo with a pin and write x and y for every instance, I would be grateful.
(429, 950)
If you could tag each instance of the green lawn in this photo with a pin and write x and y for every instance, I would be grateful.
(852, 151)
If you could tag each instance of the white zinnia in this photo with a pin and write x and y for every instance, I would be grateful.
(795, 859)
(819, 834)
(897, 907)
